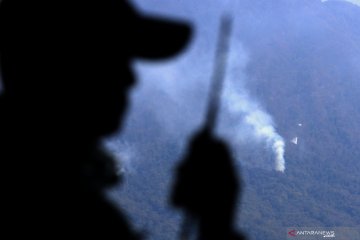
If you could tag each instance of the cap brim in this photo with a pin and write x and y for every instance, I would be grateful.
(155, 38)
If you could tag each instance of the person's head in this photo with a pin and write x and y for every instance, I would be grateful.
(69, 61)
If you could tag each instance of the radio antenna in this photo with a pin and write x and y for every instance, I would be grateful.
(218, 76)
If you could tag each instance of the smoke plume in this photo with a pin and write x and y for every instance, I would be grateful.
(169, 102)
(242, 116)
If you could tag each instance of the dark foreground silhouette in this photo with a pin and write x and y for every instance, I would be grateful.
(66, 76)
(206, 189)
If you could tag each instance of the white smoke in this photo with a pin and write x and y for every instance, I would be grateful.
(248, 118)
(123, 154)
(171, 97)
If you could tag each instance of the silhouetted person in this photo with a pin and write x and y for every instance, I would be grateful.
(66, 77)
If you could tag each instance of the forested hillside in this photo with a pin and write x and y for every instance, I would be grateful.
(304, 67)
